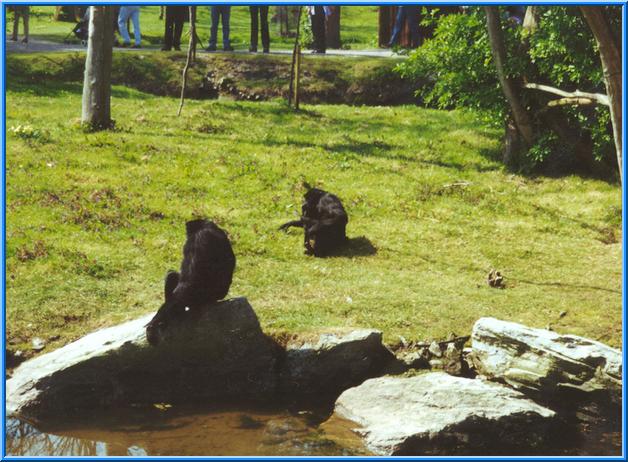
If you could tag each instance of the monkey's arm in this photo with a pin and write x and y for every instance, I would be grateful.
(296, 223)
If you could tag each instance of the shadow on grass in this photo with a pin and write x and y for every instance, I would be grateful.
(355, 247)
(53, 89)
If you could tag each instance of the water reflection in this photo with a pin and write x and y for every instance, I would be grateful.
(25, 440)
(180, 432)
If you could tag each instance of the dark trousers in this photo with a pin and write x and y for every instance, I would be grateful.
(20, 11)
(262, 12)
(175, 17)
(220, 13)
(318, 28)
(411, 15)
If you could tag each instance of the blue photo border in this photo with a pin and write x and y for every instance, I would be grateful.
(623, 3)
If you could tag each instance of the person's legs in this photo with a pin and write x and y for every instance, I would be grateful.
(213, 32)
(122, 19)
(254, 27)
(226, 13)
(412, 17)
(168, 34)
(135, 17)
(179, 19)
(25, 15)
(318, 29)
(263, 17)
(401, 15)
(16, 23)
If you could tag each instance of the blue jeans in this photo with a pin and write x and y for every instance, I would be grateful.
(133, 13)
(411, 15)
(218, 12)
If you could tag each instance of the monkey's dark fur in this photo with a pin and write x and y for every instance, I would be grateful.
(324, 221)
(205, 277)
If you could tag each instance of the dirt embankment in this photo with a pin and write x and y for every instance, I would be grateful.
(369, 81)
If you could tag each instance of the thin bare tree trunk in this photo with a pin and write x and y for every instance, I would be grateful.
(297, 78)
(519, 113)
(96, 110)
(193, 34)
(610, 55)
(293, 88)
(191, 51)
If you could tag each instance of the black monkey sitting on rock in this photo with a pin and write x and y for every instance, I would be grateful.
(205, 277)
(324, 221)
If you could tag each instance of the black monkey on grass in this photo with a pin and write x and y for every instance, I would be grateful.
(205, 277)
(324, 221)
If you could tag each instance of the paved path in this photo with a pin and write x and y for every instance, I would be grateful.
(41, 46)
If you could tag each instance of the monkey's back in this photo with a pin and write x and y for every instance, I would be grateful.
(208, 264)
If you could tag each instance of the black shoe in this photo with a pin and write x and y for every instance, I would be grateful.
(229, 48)
(177, 48)
(253, 50)
(166, 49)
(210, 48)
(136, 46)
(125, 45)
(266, 50)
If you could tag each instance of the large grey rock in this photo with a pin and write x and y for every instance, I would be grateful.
(439, 414)
(333, 363)
(544, 363)
(217, 353)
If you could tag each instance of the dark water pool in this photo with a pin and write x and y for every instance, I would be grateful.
(169, 431)
(163, 430)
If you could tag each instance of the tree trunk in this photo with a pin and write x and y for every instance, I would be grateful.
(610, 55)
(97, 81)
(332, 29)
(519, 113)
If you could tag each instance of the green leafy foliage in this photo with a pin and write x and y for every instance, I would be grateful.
(561, 52)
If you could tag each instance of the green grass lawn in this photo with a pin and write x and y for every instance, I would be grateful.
(358, 27)
(94, 221)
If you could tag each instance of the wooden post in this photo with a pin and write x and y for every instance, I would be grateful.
(96, 110)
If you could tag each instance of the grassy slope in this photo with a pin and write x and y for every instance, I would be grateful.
(358, 27)
(95, 220)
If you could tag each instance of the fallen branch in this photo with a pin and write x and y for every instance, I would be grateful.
(597, 97)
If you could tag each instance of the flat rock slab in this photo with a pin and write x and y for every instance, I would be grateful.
(545, 364)
(439, 414)
(333, 362)
(219, 352)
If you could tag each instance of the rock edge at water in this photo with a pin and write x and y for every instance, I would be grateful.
(439, 414)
